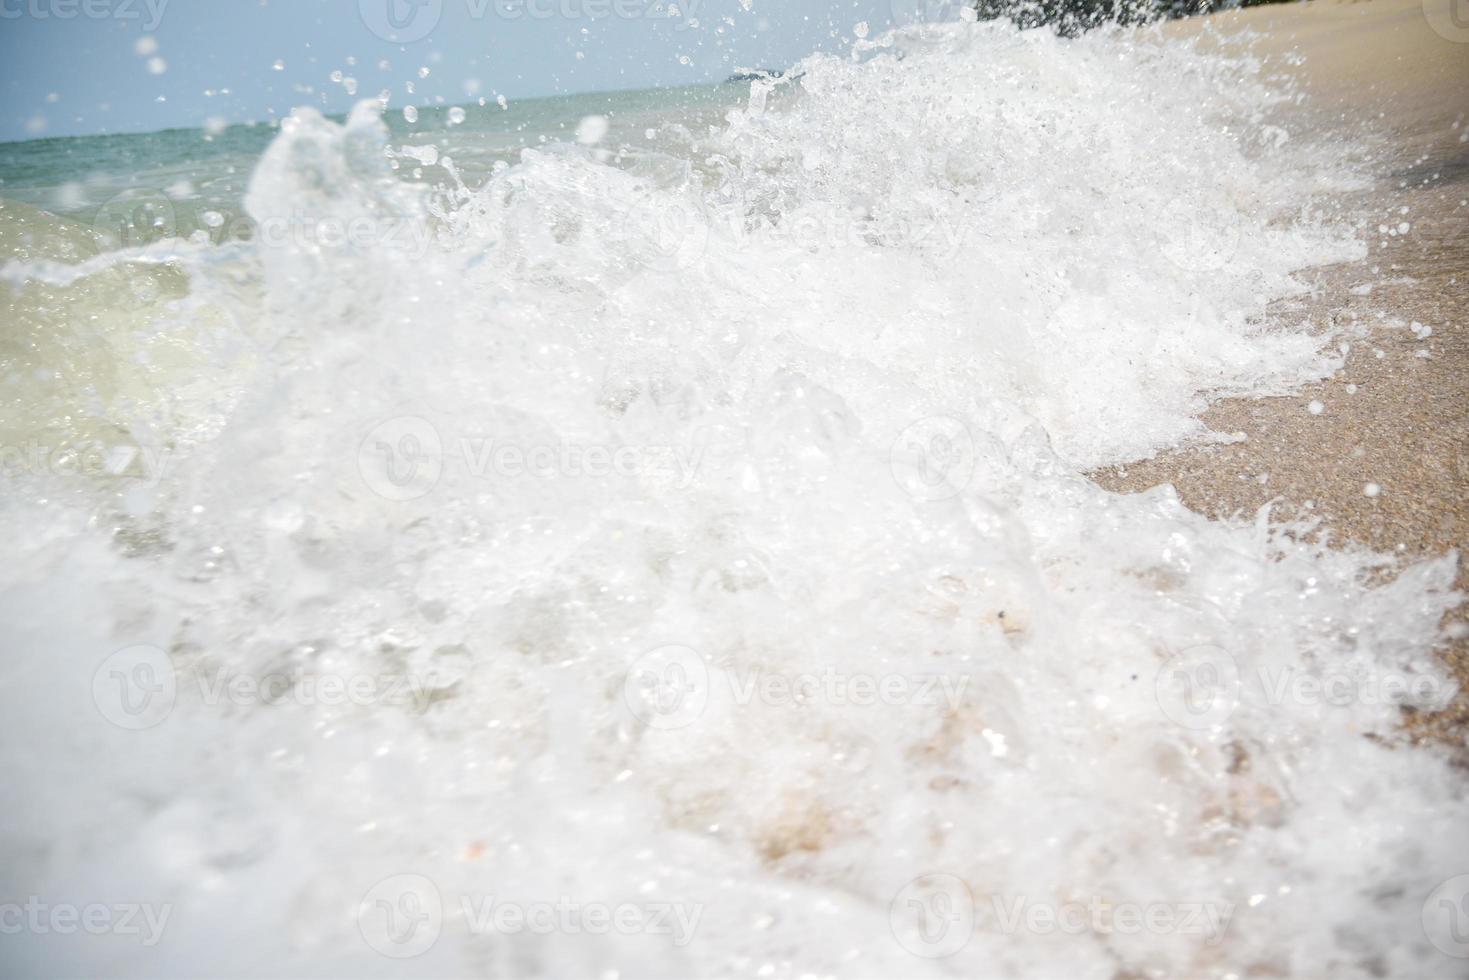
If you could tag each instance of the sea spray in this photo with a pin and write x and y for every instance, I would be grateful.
(846, 669)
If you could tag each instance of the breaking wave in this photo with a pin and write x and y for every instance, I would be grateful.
(708, 534)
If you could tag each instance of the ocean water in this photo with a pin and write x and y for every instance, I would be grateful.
(133, 189)
(665, 549)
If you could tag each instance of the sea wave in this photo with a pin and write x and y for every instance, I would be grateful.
(709, 534)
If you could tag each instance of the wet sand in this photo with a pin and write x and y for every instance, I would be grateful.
(1397, 415)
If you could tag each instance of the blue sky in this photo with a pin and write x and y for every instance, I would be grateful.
(86, 66)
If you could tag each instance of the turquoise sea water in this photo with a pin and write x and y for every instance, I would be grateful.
(138, 187)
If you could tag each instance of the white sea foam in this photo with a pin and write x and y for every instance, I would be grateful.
(709, 536)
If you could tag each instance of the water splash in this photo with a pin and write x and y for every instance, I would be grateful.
(708, 534)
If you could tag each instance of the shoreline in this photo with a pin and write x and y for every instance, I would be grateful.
(1379, 453)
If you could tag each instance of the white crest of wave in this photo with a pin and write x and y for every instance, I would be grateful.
(837, 377)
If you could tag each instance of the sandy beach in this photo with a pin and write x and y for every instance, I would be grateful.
(1397, 415)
